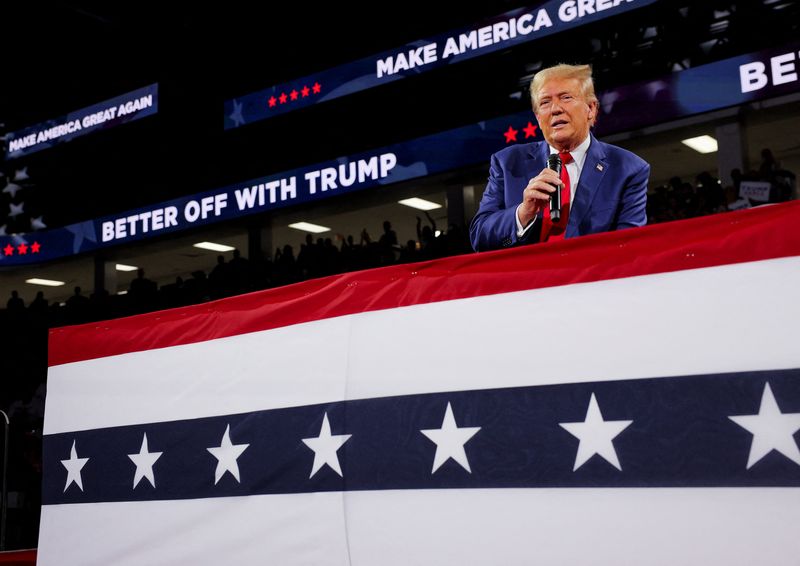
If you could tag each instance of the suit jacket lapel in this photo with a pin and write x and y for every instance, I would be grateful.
(594, 169)
(539, 152)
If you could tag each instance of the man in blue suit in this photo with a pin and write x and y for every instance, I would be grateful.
(603, 188)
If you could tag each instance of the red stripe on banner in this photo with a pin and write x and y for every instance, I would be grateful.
(18, 558)
(751, 235)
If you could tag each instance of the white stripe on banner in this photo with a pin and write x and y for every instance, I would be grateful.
(508, 527)
(702, 321)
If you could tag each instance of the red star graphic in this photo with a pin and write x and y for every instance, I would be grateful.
(272, 101)
(305, 91)
(511, 134)
(8, 250)
(530, 131)
(22, 249)
(282, 98)
(316, 87)
(35, 247)
(293, 94)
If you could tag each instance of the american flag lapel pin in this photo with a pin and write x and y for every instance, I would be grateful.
(599, 166)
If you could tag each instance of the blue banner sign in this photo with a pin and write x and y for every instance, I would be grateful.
(726, 83)
(718, 85)
(113, 112)
(500, 32)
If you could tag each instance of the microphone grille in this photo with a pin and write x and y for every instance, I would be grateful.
(554, 162)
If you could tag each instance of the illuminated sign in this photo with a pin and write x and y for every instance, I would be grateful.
(500, 32)
(782, 70)
(119, 110)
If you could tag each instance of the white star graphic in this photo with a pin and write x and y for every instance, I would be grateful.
(37, 223)
(144, 461)
(450, 441)
(596, 436)
(325, 447)
(227, 454)
(11, 189)
(771, 430)
(236, 115)
(15, 209)
(74, 466)
(80, 231)
(21, 174)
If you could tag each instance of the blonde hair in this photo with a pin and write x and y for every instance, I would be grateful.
(583, 74)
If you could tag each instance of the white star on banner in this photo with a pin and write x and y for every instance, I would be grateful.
(450, 441)
(15, 209)
(226, 454)
(596, 436)
(771, 430)
(325, 447)
(144, 461)
(74, 466)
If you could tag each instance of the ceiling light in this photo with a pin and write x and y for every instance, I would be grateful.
(702, 144)
(308, 227)
(214, 247)
(45, 282)
(123, 267)
(123, 292)
(420, 204)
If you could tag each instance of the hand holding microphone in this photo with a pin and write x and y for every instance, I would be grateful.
(541, 192)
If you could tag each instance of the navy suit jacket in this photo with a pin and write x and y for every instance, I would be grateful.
(611, 194)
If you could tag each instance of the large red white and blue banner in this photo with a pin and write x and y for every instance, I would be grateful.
(624, 398)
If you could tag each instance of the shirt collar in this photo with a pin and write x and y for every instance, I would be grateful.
(579, 153)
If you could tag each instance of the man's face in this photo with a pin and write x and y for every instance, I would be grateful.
(564, 114)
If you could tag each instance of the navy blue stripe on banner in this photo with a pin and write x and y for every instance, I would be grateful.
(693, 431)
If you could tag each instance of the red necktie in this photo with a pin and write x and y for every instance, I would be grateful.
(554, 231)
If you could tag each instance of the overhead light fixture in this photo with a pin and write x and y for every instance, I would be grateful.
(214, 247)
(45, 282)
(123, 267)
(420, 204)
(123, 292)
(702, 144)
(308, 227)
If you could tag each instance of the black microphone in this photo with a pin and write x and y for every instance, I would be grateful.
(554, 163)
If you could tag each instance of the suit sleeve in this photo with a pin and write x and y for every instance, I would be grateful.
(633, 207)
(495, 224)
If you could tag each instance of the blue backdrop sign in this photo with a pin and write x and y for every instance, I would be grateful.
(500, 32)
(113, 112)
(730, 82)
